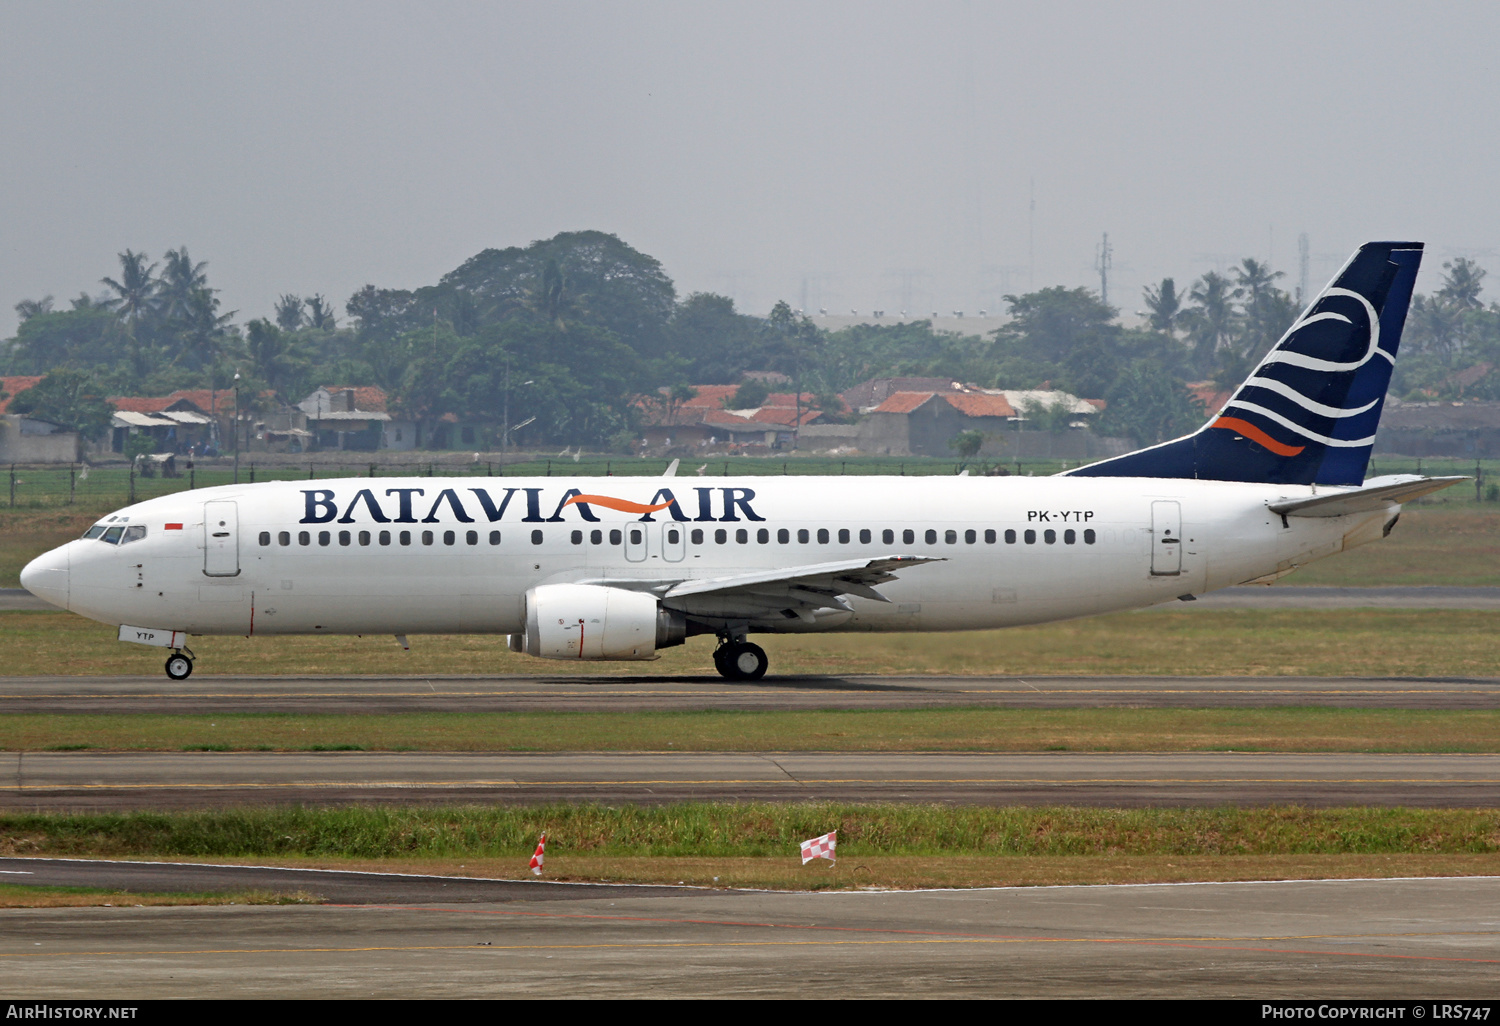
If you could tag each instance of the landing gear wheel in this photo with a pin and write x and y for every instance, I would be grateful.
(179, 666)
(741, 661)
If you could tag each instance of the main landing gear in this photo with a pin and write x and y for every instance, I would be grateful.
(180, 665)
(740, 660)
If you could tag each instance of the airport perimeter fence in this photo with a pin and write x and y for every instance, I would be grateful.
(110, 485)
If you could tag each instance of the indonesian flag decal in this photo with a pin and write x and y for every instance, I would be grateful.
(821, 848)
(539, 857)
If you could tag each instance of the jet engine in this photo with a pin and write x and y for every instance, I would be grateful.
(589, 621)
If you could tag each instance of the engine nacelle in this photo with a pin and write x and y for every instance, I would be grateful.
(589, 621)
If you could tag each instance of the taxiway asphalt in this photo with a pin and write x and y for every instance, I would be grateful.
(127, 780)
(613, 693)
(1389, 939)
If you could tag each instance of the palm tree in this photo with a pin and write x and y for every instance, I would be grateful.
(289, 312)
(26, 309)
(1462, 283)
(136, 291)
(1165, 304)
(180, 279)
(320, 314)
(203, 333)
(1212, 320)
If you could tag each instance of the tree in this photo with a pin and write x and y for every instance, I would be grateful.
(274, 357)
(289, 312)
(180, 280)
(751, 395)
(136, 291)
(70, 399)
(966, 444)
(1072, 329)
(26, 309)
(320, 314)
(1212, 322)
(1149, 406)
(1462, 282)
(1165, 305)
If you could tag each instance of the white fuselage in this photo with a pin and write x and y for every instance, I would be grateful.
(454, 555)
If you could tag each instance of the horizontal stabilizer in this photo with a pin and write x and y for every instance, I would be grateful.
(1377, 493)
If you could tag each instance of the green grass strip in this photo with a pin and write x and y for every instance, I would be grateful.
(753, 830)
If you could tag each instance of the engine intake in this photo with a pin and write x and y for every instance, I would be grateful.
(589, 621)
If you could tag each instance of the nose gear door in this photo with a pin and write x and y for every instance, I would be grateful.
(221, 539)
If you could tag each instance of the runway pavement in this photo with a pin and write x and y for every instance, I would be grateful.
(210, 694)
(124, 780)
(1388, 939)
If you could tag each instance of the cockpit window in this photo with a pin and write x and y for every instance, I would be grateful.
(94, 531)
(134, 533)
(112, 536)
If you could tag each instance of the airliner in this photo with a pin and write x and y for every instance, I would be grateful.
(620, 568)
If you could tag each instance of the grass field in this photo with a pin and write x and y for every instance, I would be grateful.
(910, 730)
(1344, 642)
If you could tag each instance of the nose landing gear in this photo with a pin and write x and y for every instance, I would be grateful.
(740, 660)
(180, 665)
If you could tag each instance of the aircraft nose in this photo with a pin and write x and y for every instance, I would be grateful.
(46, 577)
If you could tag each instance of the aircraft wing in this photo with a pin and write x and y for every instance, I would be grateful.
(799, 589)
(1377, 493)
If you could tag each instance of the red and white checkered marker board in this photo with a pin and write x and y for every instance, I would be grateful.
(540, 856)
(820, 848)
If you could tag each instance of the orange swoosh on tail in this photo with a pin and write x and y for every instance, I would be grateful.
(1255, 434)
(610, 502)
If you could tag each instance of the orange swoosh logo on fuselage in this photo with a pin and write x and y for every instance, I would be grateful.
(1255, 434)
(610, 502)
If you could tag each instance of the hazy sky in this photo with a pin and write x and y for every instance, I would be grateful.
(849, 155)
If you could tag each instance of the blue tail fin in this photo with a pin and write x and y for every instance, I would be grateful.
(1308, 413)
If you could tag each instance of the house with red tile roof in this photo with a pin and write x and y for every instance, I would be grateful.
(705, 421)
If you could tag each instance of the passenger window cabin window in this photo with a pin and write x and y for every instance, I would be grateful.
(596, 537)
(1030, 537)
(673, 536)
(385, 537)
(970, 537)
(989, 537)
(448, 537)
(783, 536)
(364, 537)
(803, 537)
(1070, 536)
(345, 537)
(635, 536)
(426, 537)
(1049, 536)
(864, 536)
(721, 536)
(577, 537)
(265, 536)
(404, 537)
(888, 536)
(536, 537)
(822, 536)
(1088, 536)
(615, 537)
(762, 536)
(494, 537)
(843, 536)
(471, 537)
(908, 537)
(950, 537)
(324, 538)
(1010, 537)
(742, 536)
(282, 537)
(303, 538)
(931, 536)
(697, 536)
